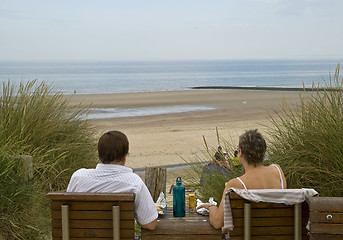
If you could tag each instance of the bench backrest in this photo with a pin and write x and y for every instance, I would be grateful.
(265, 221)
(92, 215)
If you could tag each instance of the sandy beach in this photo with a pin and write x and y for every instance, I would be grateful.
(165, 139)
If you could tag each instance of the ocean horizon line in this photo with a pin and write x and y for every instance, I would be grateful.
(92, 77)
(324, 58)
(263, 88)
(251, 88)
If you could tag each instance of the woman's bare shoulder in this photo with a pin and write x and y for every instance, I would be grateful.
(276, 167)
(235, 183)
(273, 165)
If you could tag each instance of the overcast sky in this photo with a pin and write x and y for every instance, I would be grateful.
(162, 29)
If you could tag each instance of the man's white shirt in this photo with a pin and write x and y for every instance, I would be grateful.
(113, 178)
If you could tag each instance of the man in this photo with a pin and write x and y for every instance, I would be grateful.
(219, 156)
(112, 176)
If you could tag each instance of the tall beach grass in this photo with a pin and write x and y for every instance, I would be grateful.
(307, 140)
(35, 121)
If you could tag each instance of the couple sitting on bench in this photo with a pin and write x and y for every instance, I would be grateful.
(112, 176)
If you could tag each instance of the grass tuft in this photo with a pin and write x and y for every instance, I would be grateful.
(307, 140)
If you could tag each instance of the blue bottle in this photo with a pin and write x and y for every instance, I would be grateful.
(178, 199)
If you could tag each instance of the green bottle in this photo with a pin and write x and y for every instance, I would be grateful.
(178, 199)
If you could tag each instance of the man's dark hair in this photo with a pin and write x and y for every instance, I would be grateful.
(112, 147)
(253, 146)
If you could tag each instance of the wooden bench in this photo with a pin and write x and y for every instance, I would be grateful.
(257, 221)
(265, 221)
(90, 216)
(326, 216)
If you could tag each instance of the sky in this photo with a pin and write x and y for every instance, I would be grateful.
(178, 29)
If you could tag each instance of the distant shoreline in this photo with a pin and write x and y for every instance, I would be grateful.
(260, 88)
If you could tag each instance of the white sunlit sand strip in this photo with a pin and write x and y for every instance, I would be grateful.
(103, 113)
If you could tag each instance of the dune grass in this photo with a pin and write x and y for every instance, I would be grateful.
(37, 122)
(212, 181)
(307, 140)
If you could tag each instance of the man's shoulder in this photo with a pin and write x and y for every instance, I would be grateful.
(84, 172)
(81, 170)
(136, 178)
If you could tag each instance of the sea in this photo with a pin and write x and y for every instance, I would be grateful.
(99, 77)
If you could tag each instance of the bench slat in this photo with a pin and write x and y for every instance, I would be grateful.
(95, 233)
(170, 236)
(320, 217)
(124, 205)
(324, 228)
(277, 212)
(326, 204)
(267, 231)
(182, 236)
(289, 237)
(57, 224)
(258, 222)
(90, 238)
(240, 204)
(79, 196)
(326, 236)
(188, 227)
(92, 214)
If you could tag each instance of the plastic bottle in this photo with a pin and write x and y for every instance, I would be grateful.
(191, 203)
(178, 199)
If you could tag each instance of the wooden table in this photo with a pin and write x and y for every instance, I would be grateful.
(192, 226)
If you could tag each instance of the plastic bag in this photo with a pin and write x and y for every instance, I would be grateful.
(161, 204)
(204, 211)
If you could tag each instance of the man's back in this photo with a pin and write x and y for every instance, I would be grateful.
(113, 178)
(105, 178)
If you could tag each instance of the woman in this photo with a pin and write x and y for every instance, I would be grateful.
(251, 150)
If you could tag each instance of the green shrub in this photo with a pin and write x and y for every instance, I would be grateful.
(307, 139)
(37, 122)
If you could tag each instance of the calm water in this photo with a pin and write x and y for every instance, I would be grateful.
(141, 76)
(100, 113)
